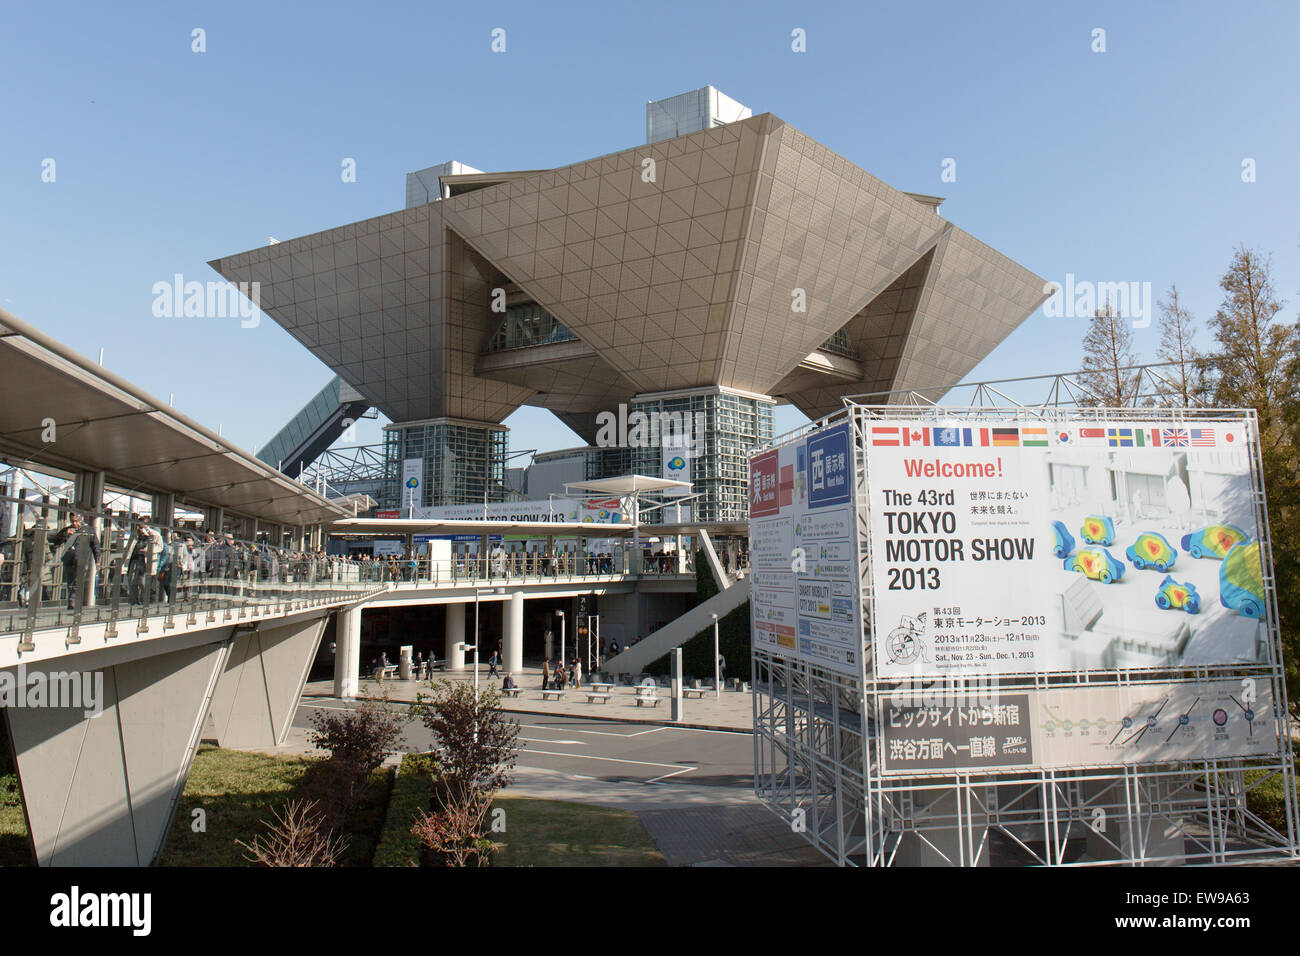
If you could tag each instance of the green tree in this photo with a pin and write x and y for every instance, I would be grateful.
(1107, 353)
(1256, 367)
(1186, 378)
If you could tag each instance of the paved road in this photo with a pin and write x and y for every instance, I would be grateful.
(609, 751)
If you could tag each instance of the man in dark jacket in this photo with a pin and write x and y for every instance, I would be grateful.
(78, 545)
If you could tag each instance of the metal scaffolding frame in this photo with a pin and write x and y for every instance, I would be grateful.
(819, 739)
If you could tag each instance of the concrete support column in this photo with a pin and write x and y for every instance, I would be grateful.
(89, 496)
(455, 655)
(258, 692)
(513, 638)
(162, 509)
(101, 790)
(347, 652)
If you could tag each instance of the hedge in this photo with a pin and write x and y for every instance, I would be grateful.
(412, 792)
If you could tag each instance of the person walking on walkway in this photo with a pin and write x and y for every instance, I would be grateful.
(546, 674)
(576, 671)
(493, 663)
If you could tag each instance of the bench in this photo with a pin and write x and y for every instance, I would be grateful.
(651, 698)
(388, 672)
(598, 697)
(601, 687)
(697, 692)
(549, 694)
(512, 691)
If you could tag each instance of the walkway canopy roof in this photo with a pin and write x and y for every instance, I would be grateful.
(625, 485)
(536, 529)
(104, 423)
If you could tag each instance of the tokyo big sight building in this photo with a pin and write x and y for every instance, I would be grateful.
(666, 277)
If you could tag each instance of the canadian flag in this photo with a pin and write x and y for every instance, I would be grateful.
(916, 436)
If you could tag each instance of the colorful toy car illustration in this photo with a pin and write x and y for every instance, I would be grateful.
(1098, 529)
(1096, 563)
(1241, 580)
(1174, 596)
(1064, 540)
(1214, 541)
(1151, 550)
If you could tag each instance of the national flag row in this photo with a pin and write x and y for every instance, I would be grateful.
(1022, 436)
(1010, 437)
(1138, 437)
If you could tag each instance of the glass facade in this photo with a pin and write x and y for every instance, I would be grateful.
(726, 428)
(525, 325)
(839, 344)
(464, 463)
(607, 462)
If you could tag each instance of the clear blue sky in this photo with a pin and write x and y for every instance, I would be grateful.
(1124, 165)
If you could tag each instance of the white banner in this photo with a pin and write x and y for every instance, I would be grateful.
(677, 466)
(412, 478)
(1029, 547)
(594, 511)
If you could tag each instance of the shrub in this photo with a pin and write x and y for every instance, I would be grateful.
(297, 837)
(357, 741)
(475, 743)
(455, 831)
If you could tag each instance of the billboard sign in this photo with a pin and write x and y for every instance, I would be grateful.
(676, 466)
(803, 547)
(412, 475)
(1026, 547)
(1073, 727)
(584, 511)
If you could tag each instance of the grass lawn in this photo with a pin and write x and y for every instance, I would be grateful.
(14, 849)
(556, 833)
(239, 790)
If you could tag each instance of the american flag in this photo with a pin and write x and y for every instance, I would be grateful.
(1202, 437)
(1174, 436)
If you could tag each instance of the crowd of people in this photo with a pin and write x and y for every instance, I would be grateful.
(149, 563)
(563, 676)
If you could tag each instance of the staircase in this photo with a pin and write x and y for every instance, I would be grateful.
(636, 658)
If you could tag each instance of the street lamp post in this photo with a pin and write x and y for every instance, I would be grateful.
(717, 668)
(560, 615)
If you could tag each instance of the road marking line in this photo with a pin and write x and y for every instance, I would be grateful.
(673, 774)
(640, 763)
(543, 740)
(602, 733)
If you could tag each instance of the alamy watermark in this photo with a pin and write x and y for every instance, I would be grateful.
(208, 300)
(1079, 299)
(637, 429)
(82, 690)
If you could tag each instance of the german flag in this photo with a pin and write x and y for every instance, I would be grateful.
(1006, 437)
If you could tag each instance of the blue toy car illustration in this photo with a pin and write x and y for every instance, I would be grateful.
(1064, 540)
(1098, 529)
(1241, 580)
(1151, 550)
(1177, 596)
(1214, 541)
(1095, 563)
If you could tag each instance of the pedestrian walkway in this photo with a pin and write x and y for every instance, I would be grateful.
(691, 826)
(731, 710)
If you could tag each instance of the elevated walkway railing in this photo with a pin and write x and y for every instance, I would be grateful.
(521, 567)
(68, 567)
